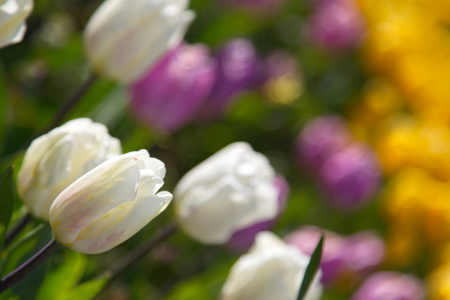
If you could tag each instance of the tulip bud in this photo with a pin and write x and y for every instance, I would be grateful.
(242, 239)
(270, 270)
(124, 38)
(337, 25)
(332, 263)
(231, 190)
(58, 158)
(109, 204)
(173, 91)
(390, 285)
(12, 20)
(350, 177)
(321, 137)
(239, 68)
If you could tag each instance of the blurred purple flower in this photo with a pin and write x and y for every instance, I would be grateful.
(364, 251)
(350, 177)
(332, 263)
(239, 68)
(321, 137)
(242, 239)
(352, 256)
(390, 286)
(172, 92)
(336, 25)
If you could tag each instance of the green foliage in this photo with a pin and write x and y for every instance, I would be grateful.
(85, 291)
(19, 253)
(6, 201)
(63, 278)
(311, 269)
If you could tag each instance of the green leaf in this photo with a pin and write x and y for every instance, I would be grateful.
(64, 277)
(6, 201)
(85, 291)
(311, 269)
(19, 253)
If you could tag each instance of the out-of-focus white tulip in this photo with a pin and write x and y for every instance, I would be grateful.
(271, 270)
(56, 159)
(229, 191)
(124, 38)
(12, 20)
(109, 204)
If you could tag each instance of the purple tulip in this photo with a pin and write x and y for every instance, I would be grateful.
(364, 251)
(239, 68)
(171, 94)
(350, 177)
(390, 286)
(336, 25)
(321, 138)
(332, 263)
(242, 239)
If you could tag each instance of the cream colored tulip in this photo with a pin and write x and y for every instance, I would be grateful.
(124, 38)
(12, 20)
(271, 270)
(58, 158)
(231, 190)
(109, 204)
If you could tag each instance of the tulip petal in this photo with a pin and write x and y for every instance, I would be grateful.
(109, 185)
(117, 226)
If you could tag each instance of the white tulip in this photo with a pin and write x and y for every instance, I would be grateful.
(109, 204)
(12, 20)
(229, 191)
(58, 158)
(124, 38)
(271, 270)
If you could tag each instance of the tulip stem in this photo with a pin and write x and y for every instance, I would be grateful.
(26, 268)
(140, 251)
(16, 229)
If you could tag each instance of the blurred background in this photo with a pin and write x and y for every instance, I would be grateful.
(347, 98)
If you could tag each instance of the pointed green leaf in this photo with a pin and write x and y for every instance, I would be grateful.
(85, 291)
(6, 201)
(311, 269)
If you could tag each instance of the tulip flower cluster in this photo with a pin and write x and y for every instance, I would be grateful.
(189, 82)
(347, 171)
(404, 114)
(344, 258)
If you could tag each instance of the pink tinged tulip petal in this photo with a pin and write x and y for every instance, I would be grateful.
(110, 203)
